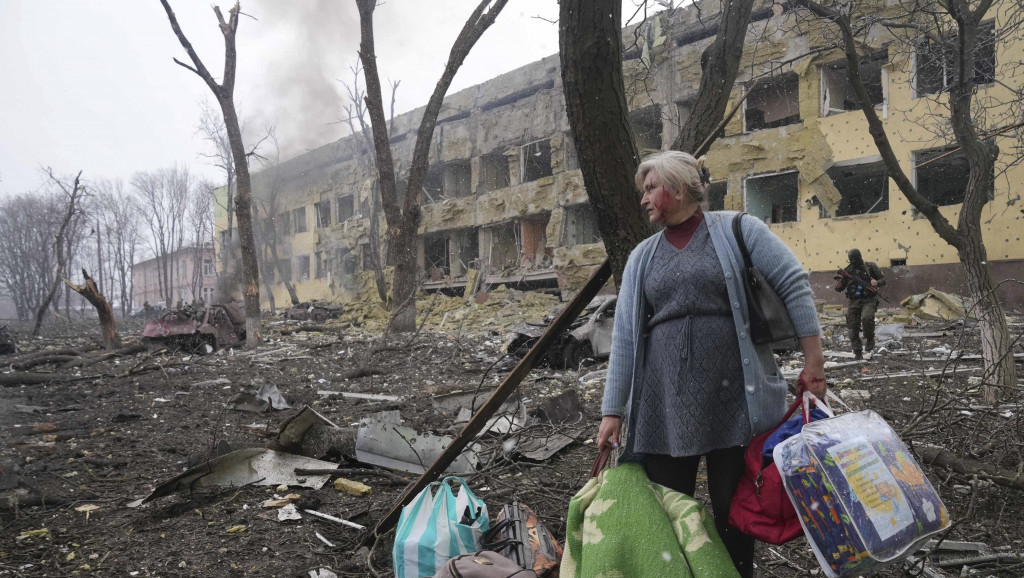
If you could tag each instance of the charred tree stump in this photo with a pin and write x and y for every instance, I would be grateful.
(108, 326)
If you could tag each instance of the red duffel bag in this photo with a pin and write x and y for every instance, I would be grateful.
(761, 508)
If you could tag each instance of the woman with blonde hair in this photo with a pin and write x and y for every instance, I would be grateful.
(684, 374)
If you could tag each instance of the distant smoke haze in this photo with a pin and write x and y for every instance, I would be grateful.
(295, 86)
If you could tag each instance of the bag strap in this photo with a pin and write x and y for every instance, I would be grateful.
(737, 231)
(601, 461)
(806, 400)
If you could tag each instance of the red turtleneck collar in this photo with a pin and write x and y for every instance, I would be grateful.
(680, 235)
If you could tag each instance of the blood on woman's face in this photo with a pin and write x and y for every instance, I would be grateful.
(661, 204)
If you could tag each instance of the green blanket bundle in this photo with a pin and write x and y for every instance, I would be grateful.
(623, 526)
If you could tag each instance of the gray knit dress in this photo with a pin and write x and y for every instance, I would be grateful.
(692, 399)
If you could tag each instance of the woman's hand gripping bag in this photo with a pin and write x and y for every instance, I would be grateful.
(760, 507)
(438, 525)
(862, 499)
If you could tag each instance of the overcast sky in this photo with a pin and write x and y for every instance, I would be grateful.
(89, 84)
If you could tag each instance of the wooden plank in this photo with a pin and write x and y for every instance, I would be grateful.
(503, 391)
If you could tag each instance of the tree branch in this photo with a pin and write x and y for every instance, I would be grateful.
(200, 68)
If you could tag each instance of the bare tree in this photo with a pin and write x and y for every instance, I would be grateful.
(952, 27)
(28, 227)
(265, 209)
(73, 192)
(119, 215)
(356, 120)
(224, 92)
(211, 128)
(403, 221)
(164, 196)
(199, 227)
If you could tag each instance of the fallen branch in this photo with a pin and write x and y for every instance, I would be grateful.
(87, 361)
(43, 360)
(943, 457)
(26, 378)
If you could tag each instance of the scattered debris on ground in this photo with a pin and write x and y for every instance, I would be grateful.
(274, 461)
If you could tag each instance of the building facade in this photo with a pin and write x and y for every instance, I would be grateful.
(188, 273)
(504, 201)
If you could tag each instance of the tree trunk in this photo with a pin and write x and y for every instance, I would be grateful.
(375, 260)
(243, 214)
(108, 326)
(406, 281)
(590, 48)
(69, 213)
(403, 222)
(719, 64)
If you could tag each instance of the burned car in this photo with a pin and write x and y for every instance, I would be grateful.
(589, 337)
(196, 328)
(314, 311)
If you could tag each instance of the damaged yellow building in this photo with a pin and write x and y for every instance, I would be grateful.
(504, 197)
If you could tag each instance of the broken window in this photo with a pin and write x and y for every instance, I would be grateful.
(465, 251)
(323, 214)
(503, 246)
(436, 259)
(299, 220)
(284, 271)
(535, 240)
(208, 267)
(346, 208)
(302, 268)
(433, 186)
(535, 160)
(837, 94)
(458, 177)
(716, 195)
(570, 158)
(773, 103)
(772, 198)
(647, 127)
(898, 262)
(934, 65)
(942, 179)
(346, 261)
(580, 226)
(494, 174)
(321, 264)
(863, 188)
(284, 224)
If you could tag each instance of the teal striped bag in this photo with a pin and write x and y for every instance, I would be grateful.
(438, 525)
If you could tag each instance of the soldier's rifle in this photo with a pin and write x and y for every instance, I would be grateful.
(865, 284)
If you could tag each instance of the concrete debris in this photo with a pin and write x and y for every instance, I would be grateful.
(352, 487)
(403, 448)
(288, 512)
(935, 305)
(265, 398)
(322, 572)
(563, 408)
(256, 466)
(539, 447)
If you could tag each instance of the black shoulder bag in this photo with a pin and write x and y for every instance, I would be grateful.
(769, 320)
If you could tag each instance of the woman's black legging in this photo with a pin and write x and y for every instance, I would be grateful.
(725, 468)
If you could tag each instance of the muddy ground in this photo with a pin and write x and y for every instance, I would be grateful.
(122, 426)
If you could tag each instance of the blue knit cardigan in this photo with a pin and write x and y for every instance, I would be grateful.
(764, 384)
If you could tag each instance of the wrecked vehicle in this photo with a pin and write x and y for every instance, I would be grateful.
(314, 311)
(196, 329)
(589, 337)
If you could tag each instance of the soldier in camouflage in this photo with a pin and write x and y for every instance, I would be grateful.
(861, 281)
